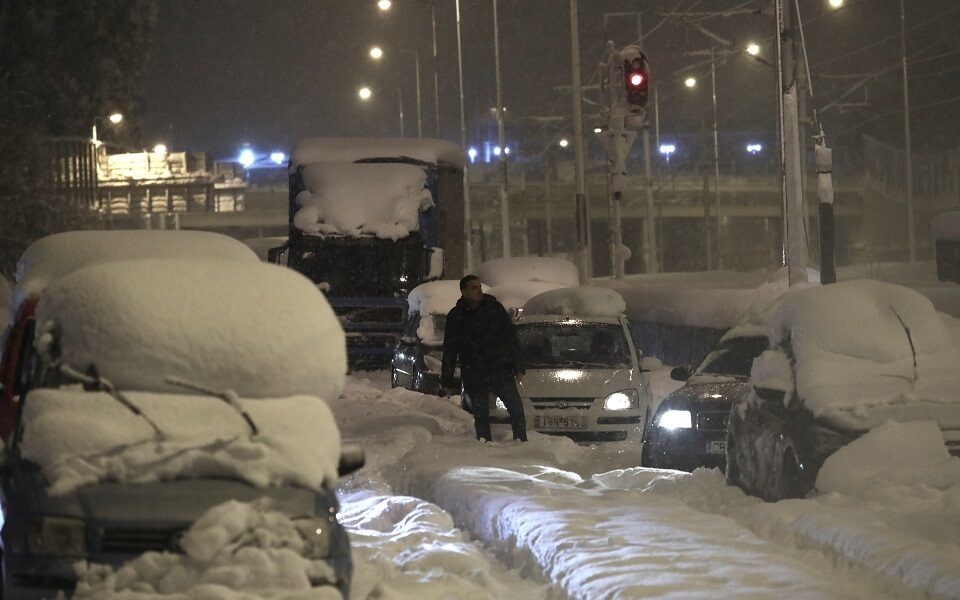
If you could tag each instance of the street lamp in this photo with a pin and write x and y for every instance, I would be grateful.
(753, 49)
(247, 157)
(160, 149)
(563, 142)
(690, 82)
(278, 157)
(384, 4)
(754, 148)
(835, 3)
(376, 53)
(364, 93)
(114, 118)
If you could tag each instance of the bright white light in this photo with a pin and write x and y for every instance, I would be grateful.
(278, 157)
(496, 150)
(376, 53)
(836, 3)
(563, 142)
(160, 149)
(754, 148)
(116, 118)
(384, 4)
(753, 49)
(597, 130)
(499, 405)
(675, 419)
(472, 153)
(506, 150)
(364, 93)
(247, 157)
(667, 149)
(618, 401)
(690, 82)
(636, 79)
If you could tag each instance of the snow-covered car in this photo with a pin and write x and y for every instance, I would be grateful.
(584, 378)
(689, 428)
(843, 359)
(155, 390)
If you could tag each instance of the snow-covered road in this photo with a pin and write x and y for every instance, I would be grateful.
(436, 514)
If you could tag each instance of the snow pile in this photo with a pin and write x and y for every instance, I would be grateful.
(859, 344)
(946, 226)
(500, 271)
(258, 329)
(235, 551)
(516, 294)
(894, 453)
(58, 255)
(578, 301)
(382, 200)
(79, 438)
(348, 150)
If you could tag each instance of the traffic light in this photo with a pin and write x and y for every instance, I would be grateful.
(636, 80)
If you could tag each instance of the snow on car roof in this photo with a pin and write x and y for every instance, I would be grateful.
(499, 271)
(80, 438)
(946, 226)
(515, 295)
(258, 329)
(60, 254)
(577, 301)
(436, 297)
(378, 199)
(348, 150)
(855, 343)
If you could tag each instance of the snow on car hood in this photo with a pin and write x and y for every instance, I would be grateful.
(366, 199)
(79, 438)
(576, 383)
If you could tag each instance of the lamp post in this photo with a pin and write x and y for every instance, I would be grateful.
(501, 138)
(906, 134)
(376, 53)
(463, 142)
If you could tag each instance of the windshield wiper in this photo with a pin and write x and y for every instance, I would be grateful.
(92, 380)
(228, 396)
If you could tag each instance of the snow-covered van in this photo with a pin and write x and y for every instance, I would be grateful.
(371, 219)
(584, 378)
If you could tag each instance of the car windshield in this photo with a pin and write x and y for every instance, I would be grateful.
(585, 345)
(734, 358)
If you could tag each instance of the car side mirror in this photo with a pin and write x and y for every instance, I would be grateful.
(275, 255)
(680, 373)
(650, 363)
(352, 459)
(770, 394)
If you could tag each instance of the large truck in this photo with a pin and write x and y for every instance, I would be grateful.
(371, 219)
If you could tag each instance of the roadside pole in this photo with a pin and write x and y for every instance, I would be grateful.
(581, 214)
(467, 226)
(650, 253)
(504, 198)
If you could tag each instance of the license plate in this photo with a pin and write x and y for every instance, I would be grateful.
(717, 447)
(558, 422)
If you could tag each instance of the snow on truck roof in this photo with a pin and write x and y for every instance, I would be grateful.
(258, 329)
(348, 150)
(55, 256)
(577, 301)
(381, 200)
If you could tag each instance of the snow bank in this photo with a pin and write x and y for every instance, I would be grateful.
(348, 150)
(500, 271)
(382, 200)
(946, 226)
(58, 255)
(851, 344)
(258, 329)
(908, 454)
(578, 301)
(515, 295)
(235, 551)
(79, 438)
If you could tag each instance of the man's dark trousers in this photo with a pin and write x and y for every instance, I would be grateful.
(480, 387)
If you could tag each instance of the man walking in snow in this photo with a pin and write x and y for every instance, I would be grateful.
(480, 335)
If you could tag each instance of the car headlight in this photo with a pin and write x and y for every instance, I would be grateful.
(499, 405)
(675, 419)
(57, 536)
(623, 400)
(317, 532)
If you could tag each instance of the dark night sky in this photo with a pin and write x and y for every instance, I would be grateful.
(227, 72)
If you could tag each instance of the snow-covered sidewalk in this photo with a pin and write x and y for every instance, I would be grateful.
(436, 514)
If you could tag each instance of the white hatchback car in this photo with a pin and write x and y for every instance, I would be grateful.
(584, 378)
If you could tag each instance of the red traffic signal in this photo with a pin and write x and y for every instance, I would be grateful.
(636, 81)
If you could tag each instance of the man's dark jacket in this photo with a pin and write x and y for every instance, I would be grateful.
(484, 340)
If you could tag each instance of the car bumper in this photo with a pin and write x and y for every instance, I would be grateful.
(602, 427)
(686, 449)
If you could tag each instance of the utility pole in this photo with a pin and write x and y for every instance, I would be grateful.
(468, 227)
(906, 134)
(716, 155)
(650, 223)
(436, 68)
(501, 140)
(581, 214)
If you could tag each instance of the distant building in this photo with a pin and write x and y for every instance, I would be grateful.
(147, 183)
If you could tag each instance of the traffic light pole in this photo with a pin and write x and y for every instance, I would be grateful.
(581, 214)
(468, 227)
(501, 140)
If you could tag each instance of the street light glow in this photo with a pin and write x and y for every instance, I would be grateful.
(563, 142)
(384, 4)
(116, 118)
(690, 82)
(160, 149)
(836, 3)
(247, 157)
(278, 157)
(472, 153)
(506, 150)
(496, 150)
(754, 148)
(376, 52)
(364, 93)
(753, 49)
(667, 149)
(597, 130)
